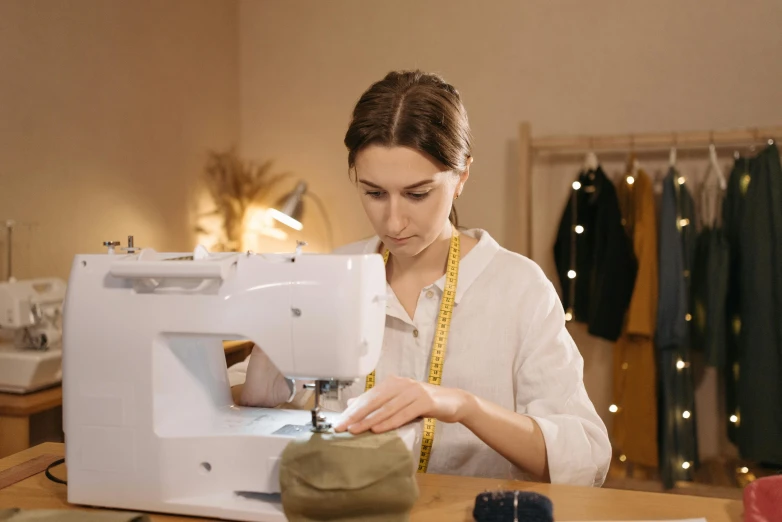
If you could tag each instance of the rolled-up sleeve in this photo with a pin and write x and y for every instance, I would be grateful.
(549, 387)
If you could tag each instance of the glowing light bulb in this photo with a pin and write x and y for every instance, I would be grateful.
(571, 274)
(688, 317)
(579, 229)
(679, 364)
(686, 465)
(744, 469)
(681, 180)
(613, 408)
(576, 185)
(630, 180)
(622, 458)
(686, 414)
(568, 316)
(684, 222)
(734, 419)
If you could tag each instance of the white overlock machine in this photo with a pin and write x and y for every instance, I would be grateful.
(30, 328)
(149, 421)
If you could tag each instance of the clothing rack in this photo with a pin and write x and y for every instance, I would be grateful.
(532, 147)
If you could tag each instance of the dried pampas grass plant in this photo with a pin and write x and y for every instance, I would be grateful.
(234, 186)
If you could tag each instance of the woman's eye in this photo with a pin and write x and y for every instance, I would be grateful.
(374, 194)
(418, 195)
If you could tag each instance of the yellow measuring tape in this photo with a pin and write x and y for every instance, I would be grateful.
(438, 345)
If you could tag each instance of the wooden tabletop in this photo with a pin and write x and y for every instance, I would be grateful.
(442, 498)
(236, 346)
(18, 405)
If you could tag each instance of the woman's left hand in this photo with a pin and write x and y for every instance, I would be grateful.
(397, 401)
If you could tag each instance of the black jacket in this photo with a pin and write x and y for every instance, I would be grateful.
(602, 257)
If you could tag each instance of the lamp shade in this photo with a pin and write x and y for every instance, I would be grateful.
(289, 209)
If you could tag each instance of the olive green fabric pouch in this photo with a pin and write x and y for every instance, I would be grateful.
(339, 476)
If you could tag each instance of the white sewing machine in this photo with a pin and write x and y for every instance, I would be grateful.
(148, 416)
(30, 334)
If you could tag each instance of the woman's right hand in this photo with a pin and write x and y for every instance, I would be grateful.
(264, 386)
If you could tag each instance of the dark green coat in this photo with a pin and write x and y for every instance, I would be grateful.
(752, 216)
(710, 279)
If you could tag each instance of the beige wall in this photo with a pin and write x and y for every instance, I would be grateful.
(106, 112)
(108, 107)
(566, 66)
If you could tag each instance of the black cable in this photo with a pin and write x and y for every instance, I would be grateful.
(52, 477)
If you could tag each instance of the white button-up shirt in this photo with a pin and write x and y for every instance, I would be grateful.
(507, 344)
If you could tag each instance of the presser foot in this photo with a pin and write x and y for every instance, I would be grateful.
(319, 424)
(328, 388)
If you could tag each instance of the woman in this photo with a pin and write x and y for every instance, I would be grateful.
(511, 402)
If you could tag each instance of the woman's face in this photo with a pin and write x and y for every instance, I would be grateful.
(407, 196)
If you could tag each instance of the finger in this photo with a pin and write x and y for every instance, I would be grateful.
(369, 401)
(402, 417)
(386, 411)
(361, 407)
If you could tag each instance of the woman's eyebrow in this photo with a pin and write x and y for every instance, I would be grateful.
(414, 185)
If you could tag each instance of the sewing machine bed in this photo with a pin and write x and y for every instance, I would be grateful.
(239, 420)
(223, 466)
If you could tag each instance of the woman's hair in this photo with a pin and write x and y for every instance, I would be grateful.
(416, 110)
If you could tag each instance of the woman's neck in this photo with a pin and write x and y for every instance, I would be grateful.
(429, 263)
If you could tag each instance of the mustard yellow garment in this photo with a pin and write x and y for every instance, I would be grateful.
(635, 385)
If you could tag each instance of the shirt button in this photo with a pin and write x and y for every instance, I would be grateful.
(415, 332)
(429, 294)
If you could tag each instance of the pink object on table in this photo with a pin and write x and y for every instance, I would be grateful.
(763, 500)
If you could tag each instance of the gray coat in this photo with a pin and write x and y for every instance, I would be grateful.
(678, 435)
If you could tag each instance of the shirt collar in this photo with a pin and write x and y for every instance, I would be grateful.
(471, 265)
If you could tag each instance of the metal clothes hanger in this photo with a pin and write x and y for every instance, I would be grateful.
(590, 161)
(633, 165)
(714, 164)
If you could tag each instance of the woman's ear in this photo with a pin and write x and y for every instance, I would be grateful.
(463, 178)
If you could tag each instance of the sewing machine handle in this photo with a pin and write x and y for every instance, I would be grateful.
(167, 270)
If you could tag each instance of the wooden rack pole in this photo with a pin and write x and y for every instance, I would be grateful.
(524, 208)
(660, 141)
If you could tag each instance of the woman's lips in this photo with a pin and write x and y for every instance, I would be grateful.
(399, 240)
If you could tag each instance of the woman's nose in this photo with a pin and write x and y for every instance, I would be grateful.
(396, 220)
